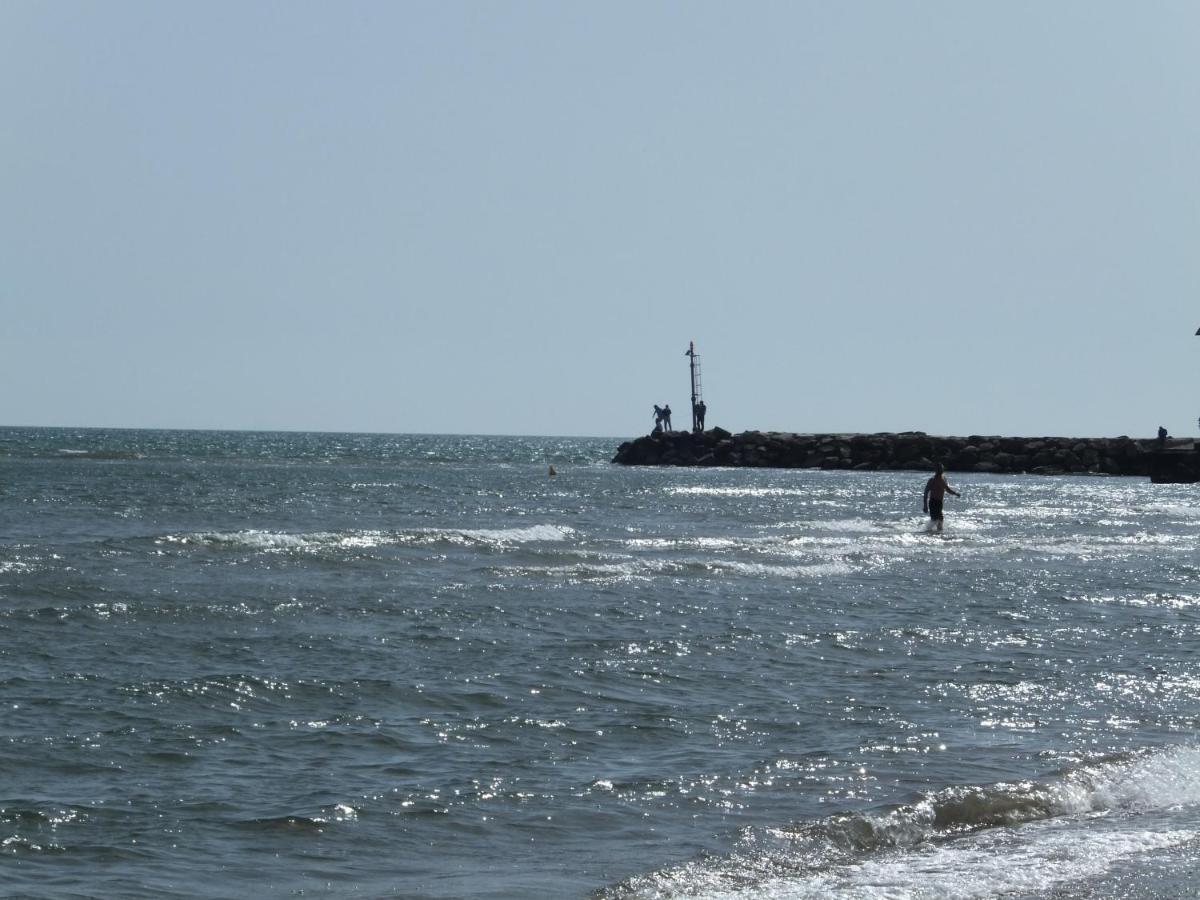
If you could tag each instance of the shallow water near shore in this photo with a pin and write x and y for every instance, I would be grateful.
(420, 666)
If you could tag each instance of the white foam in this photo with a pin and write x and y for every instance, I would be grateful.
(766, 570)
(1093, 545)
(710, 491)
(1084, 824)
(651, 567)
(1035, 860)
(810, 568)
(1025, 513)
(1152, 600)
(581, 571)
(1157, 781)
(257, 540)
(699, 542)
(275, 542)
(267, 542)
(849, 526)
(531, 534)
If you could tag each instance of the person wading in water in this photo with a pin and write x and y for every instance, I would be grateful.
(935, 492)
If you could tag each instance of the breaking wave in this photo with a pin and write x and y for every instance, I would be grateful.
(956, 842)
(283, 542)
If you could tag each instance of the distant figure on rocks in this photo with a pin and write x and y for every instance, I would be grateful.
(700, 409)
(658, 417)
(666, 417)
(1162, 438)
(935, 492)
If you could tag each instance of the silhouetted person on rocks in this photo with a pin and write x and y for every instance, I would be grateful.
(935, 492)
(700, 409)
(1162, 438)
(658, 418)
(666, 417)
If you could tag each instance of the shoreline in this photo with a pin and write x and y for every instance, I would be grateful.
(1175, 461)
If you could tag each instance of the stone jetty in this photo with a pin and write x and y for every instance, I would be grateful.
(1173, 461)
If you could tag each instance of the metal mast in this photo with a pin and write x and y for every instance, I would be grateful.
(697, 390)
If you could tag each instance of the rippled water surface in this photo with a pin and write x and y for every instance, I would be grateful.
(423, 667)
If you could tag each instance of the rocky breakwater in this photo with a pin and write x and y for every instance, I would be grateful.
(1176, 461)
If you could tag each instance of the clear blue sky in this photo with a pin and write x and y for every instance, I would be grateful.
(511, 217)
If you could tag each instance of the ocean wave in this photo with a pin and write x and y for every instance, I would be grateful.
(282, 542)
(772, 556)
(1191, 513)
(714, 491)
(253, 539)
(1092, 545)
(531, 534)
(897, 539)
(957, 842)
(1151, 600)
(850, 526)
(227, 691)
(1031, 864)
(287, 823)
(638, 569)
(696, 542)
(17, 844)
(111, 454)
(297, 822)
(808, 570)
(30, 815)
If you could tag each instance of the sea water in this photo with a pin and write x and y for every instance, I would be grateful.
(242, 664)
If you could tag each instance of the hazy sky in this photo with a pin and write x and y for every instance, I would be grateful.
(511, 217)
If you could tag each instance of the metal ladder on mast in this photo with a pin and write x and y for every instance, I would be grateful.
(697, 387)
